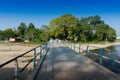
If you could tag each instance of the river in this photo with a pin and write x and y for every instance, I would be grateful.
(114, 52)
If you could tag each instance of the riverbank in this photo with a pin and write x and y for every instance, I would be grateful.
(107, 44)
(83, 47)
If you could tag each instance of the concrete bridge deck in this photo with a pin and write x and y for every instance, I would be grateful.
(62, 63)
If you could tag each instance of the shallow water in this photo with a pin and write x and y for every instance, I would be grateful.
(113, 52)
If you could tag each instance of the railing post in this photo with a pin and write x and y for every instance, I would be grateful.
(74, 46)
(101, 53)
(40, 51)
(68, 44)
(79, 48)
(111, 61)
(45, 47)
(16, 70)
(34, 57)
(87, 50)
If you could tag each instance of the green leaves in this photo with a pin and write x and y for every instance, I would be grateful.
(64, 26)
(8, 33)
(90, 28)
(21, 28)
(67, 26)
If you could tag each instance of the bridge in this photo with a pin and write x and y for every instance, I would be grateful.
(60, 62)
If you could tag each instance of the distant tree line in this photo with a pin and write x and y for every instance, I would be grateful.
(29, 32)
(65, 27)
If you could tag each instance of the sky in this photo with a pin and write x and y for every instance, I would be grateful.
(41, 12)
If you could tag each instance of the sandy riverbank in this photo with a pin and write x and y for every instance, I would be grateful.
(107, 44)
(83, 47)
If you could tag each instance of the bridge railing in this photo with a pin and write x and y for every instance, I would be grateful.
(89, 51)
(37, 54)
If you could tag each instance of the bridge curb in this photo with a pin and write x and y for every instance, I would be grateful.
(36, 69)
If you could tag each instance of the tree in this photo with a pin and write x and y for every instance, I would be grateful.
(111, 34)
(62, 25)
(67, 26)
(31, 26)
(1, 35)
(30, 32)
(8, 33)
(90, 28)
(22, 28)
(44, 33)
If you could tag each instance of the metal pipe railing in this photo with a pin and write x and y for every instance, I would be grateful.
(16, 63)
(87, 51)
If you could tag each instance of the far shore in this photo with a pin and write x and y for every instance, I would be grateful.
(93, 46)
(107, 44)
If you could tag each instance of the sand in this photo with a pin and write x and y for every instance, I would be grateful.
(11, 50)
(83, 47)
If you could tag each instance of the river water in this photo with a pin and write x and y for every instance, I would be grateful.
(113, 52)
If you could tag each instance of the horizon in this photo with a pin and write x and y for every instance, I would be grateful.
(12, 13)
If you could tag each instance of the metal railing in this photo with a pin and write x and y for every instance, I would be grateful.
(88, 50)
(17, 71)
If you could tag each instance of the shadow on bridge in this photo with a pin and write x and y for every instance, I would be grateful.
(62, 63)
(8, 74)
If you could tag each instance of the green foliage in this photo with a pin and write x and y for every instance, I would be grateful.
(86, 29)
(1, 35)
(63, 27)
(67, 26)
(8, 33)
(21, 28)
(30, 32)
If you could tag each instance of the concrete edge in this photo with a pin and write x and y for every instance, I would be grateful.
(36, 69)
(102, 67)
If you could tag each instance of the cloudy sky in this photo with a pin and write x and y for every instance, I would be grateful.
(41, 12)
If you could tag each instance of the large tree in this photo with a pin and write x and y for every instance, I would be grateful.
(90, 28)
(22, 28)
(64, 26)
(30, 32)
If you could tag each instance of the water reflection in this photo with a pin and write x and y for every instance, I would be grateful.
(114, 52)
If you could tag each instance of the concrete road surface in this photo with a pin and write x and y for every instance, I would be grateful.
(62, 63)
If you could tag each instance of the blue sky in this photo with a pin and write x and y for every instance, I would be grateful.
(41, 12)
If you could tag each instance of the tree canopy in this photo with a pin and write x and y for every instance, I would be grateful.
(90, 28)
(67, 26)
